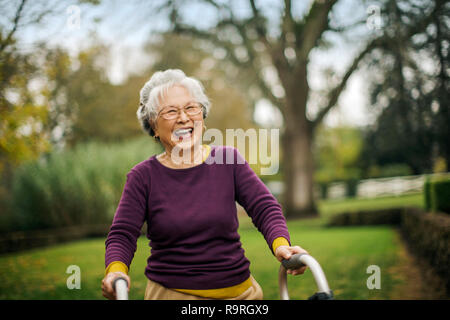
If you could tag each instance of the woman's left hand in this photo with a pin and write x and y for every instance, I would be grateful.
(285, 252)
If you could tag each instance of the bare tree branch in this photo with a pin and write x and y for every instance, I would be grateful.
(260, 29)
(334, 94)
(316, 23)
(287, 25)
(16, 20)
(385, 41)
(241, 27)
(229, 48)
(342, 29)
(288, 20)
(253, 58)
(213, 3)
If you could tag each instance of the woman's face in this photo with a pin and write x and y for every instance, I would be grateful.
(170, 131)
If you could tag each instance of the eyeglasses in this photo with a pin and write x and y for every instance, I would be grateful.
(171, 113)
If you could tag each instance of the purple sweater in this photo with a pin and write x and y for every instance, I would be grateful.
(192, 220)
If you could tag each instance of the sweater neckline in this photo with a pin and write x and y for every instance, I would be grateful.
(159, 164)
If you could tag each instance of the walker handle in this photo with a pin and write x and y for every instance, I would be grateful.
(299, 260)
(120, 286)
(293, 262)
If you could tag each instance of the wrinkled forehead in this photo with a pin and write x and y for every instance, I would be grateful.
(175, 96)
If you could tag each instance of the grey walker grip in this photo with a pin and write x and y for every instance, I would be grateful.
(120, 286)
(293, 262)
(296, 261)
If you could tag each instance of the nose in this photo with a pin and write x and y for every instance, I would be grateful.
(182, 116)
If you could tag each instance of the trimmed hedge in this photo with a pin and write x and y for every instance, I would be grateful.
(375, 217)
(440, 196)
(437, 195)
(26, 240)
(428, 234)
(427, 194)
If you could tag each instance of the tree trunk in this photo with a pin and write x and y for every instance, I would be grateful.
(298, 167)
(297, 141)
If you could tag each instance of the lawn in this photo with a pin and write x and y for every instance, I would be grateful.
(344, 253)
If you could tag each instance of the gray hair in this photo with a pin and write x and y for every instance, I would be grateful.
(157, 87)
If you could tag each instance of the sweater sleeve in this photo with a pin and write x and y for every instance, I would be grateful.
(259, 203)
(121, 242)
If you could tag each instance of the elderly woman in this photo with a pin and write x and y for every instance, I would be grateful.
(189, 205)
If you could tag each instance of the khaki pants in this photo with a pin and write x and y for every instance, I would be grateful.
(155, 291)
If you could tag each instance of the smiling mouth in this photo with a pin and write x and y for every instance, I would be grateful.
(182, 134)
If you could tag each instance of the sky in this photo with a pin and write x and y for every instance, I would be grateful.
(72, 25)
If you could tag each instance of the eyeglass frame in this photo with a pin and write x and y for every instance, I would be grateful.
(200, 106)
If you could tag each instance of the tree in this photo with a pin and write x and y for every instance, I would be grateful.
(83, 104)
(23, 116)
(410, 89)
(21, 119)
(250, 46)
(337, 152)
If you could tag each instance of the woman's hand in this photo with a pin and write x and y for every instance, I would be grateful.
(285, 252)
(107, 284)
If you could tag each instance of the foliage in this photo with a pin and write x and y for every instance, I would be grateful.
(337, 151)
(428, 235)
(427, 194)
(21, 138)
(391, 216)
(76, 187)
(22, 119)
(83, 103)
(437, 194)
(388, 170)
(24, 115)
(409, 88)
(440, 195)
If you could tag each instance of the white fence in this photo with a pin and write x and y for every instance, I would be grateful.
(371, 188)
(393, 186)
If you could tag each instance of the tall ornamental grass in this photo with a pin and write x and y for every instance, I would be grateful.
(76, 187)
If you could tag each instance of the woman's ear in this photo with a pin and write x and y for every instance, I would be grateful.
(154, 128)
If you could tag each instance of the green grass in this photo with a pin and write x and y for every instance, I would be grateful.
(344, 253)
(329, 208)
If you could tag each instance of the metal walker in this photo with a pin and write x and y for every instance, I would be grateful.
(120, 285)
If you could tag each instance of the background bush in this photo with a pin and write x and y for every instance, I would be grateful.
(427, 194)
(437, 195)
(390, 216)
(440, 196)
(428, 235)
(76, 187)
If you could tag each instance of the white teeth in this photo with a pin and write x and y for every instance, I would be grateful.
(181, 132)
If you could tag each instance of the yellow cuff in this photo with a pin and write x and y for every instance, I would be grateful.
(116, 266)
(280, 241)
